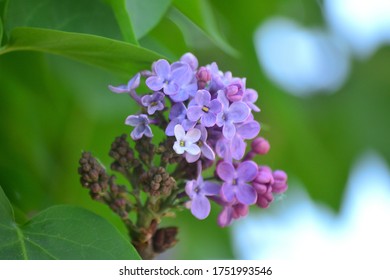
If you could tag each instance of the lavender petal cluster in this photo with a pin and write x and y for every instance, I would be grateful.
(210, 119)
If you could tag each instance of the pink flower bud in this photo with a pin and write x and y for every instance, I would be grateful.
(280, 181)
(260, 146)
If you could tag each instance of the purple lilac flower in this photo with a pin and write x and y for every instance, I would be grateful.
(197, 190)
(178, 115)
(174, 80)
(204, 108)
(244, 131)
(210, 115)
(131, 85)
(141, 126)
(235, 113)
(205, 149)
(186, 142)
(186, 91)
(236, 181)
(154, 102)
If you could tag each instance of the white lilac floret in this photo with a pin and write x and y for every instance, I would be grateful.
(186, 142)
(210, 122)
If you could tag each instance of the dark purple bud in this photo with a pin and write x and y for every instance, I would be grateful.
(260, 146)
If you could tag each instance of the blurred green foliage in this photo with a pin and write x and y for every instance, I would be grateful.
(53, 107)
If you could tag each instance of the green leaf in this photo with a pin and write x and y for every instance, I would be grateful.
(146, 14)
(106, 53)
(61, 232)
(83, 16)
(124, 21)
(200, 13)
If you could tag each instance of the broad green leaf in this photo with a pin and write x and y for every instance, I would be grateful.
(107, 53)
(200, 13)
(61, 232)
(146, 14)
(83, 16)
(123, 19)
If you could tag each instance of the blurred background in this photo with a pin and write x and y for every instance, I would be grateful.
(322, 70)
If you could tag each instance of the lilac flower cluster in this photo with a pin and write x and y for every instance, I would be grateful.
(210, 119)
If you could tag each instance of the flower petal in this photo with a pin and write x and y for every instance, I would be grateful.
(189, 188)
(200, 207)
(246, 194)
(118, 89)
(247, 171)
(229, 130)
(209, 119)
(133, 120)
(148, 131)
(238, 147)
(215, 106)
(178, 148)
(193, 135)
(223, 99)
(134, 82)
(138, 132)
(177, 111)
(171, 89)
(179, 132)
(238, 112)
(162, 68)
(182, 73)
(225, 217)
(226, 171)
(146, 100)
(192, 158)
(227, 192)
(169, 131)
(202, 97)
(211, 188)
(154, 83)
(192, 149)
(194, 113)
(207, 152)
(187, 124)
(249, 130)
